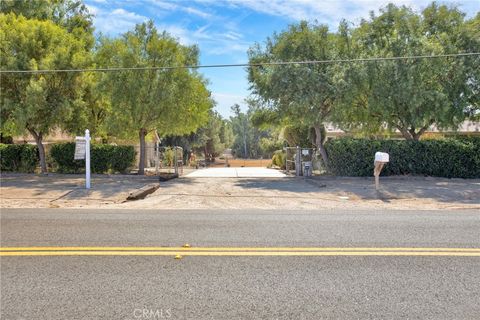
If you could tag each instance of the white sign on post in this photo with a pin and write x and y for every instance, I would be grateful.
(80, 146)
(82, 151)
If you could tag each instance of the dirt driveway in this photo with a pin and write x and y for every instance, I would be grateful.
(267, 192)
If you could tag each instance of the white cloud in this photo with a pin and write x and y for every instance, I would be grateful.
(212, 42)
(326, 11)
(115, 21)
(226, 100)
(92, 9)
(182, 34)
(172, 6)
(196, 12)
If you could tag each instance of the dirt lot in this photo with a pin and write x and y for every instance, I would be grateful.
(35, 191)
(67, 190)
(315, 193)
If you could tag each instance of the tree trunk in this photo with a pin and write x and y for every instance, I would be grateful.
(319, 144)
(410, 134)
(41, 150)
(141, 165)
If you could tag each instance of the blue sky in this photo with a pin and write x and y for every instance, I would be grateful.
(225, 29)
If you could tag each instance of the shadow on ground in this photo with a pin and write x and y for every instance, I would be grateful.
(392, 188)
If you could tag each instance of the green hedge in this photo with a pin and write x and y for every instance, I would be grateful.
(451, 158)
(18, 157)
(279, 158)
(104, 158)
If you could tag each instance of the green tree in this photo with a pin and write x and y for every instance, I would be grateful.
(216, 136)
(73, 15)
(410, 95)
(39, 102)
(472, 44)
(305, 93)
(250, 140)
(171, 101)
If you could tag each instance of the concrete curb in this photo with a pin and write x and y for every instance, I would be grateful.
(143, 191)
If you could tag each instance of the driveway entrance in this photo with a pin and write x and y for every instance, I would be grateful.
(254, 172)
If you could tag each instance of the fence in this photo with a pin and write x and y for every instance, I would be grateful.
(161, 160)
(299, 159)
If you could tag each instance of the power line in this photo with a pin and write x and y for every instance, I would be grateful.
(260, 64)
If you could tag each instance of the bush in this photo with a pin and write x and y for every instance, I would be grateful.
(18, 157)
(451, 158)
(168, 157)
(104, 158)
(62, 156)
(279, 158)
(123, 157)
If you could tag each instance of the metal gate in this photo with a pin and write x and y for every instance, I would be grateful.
(299, 159)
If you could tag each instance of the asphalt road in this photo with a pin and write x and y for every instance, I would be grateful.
(217, 286)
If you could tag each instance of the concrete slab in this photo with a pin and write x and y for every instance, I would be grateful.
(254, 172)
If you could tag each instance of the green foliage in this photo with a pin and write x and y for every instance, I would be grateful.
(297, 135)
(39, 103)
(451, 158)
(104, 158)
(279, 159)
(250, 140)
(18, 157)
(408, 95)
(123, 157)
(302, 92)
(168, 157)
(268, 146)
(215, 137)
(372, 97)
(173, 101)
(62, 156)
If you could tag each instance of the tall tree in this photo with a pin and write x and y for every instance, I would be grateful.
(73, 15)
(410, 95)
(39, 103)
(171, 101)
(249, 139)
(304, 93)
(216, 136)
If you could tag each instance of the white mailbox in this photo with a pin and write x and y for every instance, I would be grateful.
(382, 157)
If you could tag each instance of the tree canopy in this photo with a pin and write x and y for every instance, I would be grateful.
(171, 101)
(410, 94)
(305, 93)
(39, 103)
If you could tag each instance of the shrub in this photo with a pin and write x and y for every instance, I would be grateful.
(123, 158)
(104, 158)
(459, 158)
(279, 158)
(62, 155)
(18, 157)
(168, 157)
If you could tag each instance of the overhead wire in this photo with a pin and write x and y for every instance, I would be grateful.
(259, 64)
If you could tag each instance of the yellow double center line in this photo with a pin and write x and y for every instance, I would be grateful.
(235, 251)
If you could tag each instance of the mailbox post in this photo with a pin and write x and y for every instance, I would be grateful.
(380, 159)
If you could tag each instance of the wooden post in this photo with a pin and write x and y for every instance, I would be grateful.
(376, 172)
